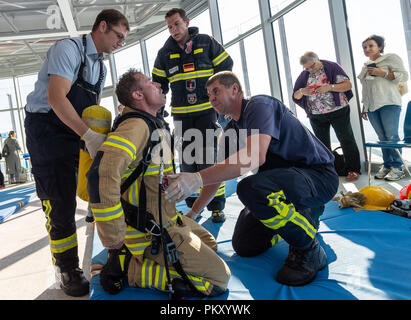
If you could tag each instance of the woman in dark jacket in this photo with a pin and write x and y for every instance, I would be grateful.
(11, 153)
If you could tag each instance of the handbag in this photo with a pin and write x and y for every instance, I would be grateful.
(5, 151)
(403, 88)
(339, 163)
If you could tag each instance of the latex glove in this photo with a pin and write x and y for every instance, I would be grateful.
(193, 215)
(183, 185)
(93, 141)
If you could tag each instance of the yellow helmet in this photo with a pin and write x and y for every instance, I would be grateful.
(377, 198)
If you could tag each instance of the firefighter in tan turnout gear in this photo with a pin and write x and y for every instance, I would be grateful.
(137, 227)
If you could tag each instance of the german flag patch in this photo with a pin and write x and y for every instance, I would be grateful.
(188, 67)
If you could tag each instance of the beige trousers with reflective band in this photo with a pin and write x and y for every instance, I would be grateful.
(197, 253)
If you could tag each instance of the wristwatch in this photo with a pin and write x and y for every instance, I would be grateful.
(332, 87)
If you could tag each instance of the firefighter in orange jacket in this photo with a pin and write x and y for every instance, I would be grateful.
(185, 63)
(132, 249)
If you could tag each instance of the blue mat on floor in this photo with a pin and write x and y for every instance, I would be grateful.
(11, 200)
(369, 254)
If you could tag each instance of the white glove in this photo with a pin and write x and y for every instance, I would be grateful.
(93, 141)
(194, 215)
(183, 185)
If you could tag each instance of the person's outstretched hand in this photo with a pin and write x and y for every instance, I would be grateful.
(183, 185)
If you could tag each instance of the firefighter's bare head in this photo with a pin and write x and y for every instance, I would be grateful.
(178, 23)
(225, 92)
(136, 90)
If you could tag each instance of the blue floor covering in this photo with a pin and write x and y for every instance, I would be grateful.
(369, 255)
(11, 200)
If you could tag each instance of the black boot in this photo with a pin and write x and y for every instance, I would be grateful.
(218, 216)
(302, 266)
(74, 283)
(181, 290)
(115, 270)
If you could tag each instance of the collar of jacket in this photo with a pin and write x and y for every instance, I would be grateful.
(192, 31)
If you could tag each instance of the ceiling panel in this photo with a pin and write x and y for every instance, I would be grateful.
(28, 28)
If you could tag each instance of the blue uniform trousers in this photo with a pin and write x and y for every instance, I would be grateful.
(282, 203)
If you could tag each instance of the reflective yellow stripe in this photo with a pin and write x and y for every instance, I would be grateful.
(62, 245)
(220, 58)
(143, 273)
(276, 239)
(160, 73)
(304, 224)
(121, 143)
(127, 173)
(157, 277)
(193, 108)
(199, 50)
(108, 214)
(286, 213)
(47, 210)
(150, 273)
(93, 122)
(220, 191)
(152, 170)
(174, 56)
(137, 249)
(191, 75)
(132, 233)
(133, 195)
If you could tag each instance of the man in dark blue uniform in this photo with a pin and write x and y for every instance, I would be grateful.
(185, 63)
(70, 80)
(286, 197)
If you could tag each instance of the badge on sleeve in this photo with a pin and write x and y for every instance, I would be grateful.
(173, 70)
(191, 85)
(192, 98)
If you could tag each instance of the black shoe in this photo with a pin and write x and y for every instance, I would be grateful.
(218, 216)
(302, 266)
(74, 283)
(181, 290)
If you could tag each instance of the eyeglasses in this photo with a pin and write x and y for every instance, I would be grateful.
(120, 37)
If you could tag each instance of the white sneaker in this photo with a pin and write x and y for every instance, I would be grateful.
(395, 174)
(382, 172)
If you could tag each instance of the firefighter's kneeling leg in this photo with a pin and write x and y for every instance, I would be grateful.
(205, 269)
(251, 237)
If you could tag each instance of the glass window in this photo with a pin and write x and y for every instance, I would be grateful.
(281, 65)
(237, 17)
(235, 54)
(128, 58)
(319, 39)
(154, 44)
(108, 81)
(6, 89)
(26, 84)
(393, 32)
(257, 64)
(278, 5)
(202, 21)
(108, 103)
(6, 123)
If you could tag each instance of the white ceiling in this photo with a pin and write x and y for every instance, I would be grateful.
(28, 28)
